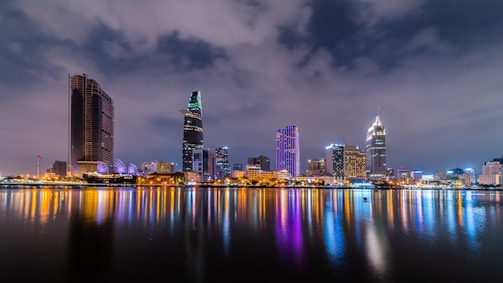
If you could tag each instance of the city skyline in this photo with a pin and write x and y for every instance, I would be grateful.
(326, 66)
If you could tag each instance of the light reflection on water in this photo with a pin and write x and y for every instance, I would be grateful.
(310, 231)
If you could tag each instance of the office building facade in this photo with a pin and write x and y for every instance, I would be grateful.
(403, 175)
(354, 163)
(335, 161)
(376, 151)
(316, 167)
(223, 167)
(288, 150)
(263, 162)
(59, 168)
(192, 130)
(91, 125)
(492, 172)
(203, 163)
(150, 167)
(346, 162)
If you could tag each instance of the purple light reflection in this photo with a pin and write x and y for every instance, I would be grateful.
(289, 226)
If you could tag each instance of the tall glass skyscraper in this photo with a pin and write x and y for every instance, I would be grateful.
(223, 166)
(91, 125)
(192, 129)
(376, 150)
(345, 162)
(335, 161)
(288, 150)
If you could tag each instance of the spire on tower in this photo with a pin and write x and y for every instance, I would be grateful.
(378, 117)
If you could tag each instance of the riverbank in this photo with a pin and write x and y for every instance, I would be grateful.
(41, 184)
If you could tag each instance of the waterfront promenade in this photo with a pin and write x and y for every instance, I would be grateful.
(41, 183)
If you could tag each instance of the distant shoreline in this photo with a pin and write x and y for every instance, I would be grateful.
(82, 184)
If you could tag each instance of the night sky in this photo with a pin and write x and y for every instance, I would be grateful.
(434, 68)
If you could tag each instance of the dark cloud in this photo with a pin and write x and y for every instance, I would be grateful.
(335, 26)
(115, 55)
(189, 54)
(464, 22)
(433, 67)
(19, 48)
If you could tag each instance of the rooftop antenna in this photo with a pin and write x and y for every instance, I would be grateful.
(378, 118)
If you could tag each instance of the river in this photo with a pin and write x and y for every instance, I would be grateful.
(177, 234)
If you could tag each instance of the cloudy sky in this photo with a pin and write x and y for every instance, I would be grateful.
(434, 68)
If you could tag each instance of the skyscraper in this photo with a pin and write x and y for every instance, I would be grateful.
(203, 163)
(335, 161)
(354, 163)
(91, 125)
(192, 129)
(345, 162)
(492, 172)
(223, 167)
(288, 150)
(376, 150)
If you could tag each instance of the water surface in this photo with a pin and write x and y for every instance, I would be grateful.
(90, 234)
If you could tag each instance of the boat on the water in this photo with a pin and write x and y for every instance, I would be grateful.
(111, 179)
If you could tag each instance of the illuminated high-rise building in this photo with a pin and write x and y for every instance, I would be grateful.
(223, 167)
(492, 173)
(354, 163)
(345, 162)
(91, 125)
(376, 150)
(192, 129)
(288, 150)
(335, 161)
